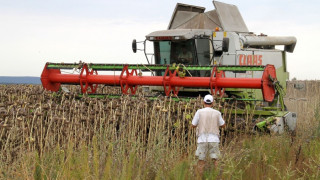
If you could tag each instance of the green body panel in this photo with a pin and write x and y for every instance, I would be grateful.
(148, 67)
(256, 112)
(263, 124)
(282, 77)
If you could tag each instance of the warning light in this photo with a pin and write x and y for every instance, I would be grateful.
(217, 29)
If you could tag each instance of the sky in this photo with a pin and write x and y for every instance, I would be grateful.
(33, 32)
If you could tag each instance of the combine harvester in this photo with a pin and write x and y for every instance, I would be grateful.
(200, 53)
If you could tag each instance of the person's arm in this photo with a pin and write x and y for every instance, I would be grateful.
(187, 58)
(195, 120)
(180, 58)
(222, 123)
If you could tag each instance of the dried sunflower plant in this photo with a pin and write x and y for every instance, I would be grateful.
(45, 135)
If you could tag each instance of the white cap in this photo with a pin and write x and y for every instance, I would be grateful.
(208, 99)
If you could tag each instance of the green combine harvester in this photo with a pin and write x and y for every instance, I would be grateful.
(200, 53)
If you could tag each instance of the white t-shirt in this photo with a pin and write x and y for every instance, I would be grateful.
(206, 137)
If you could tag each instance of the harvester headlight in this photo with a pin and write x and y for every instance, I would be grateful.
(151, 38)
(176, 37)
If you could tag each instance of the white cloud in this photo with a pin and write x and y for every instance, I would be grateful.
(28, 42)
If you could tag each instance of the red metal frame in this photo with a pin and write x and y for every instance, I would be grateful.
(125, 86)
(217, 82)
(214, 78)
(47, 83)
(167, 85)
(84, 84)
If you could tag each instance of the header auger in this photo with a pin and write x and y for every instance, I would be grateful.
(171, 81)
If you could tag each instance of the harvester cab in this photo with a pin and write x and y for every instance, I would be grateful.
(217, 37)
(201, 52)
(220, 37)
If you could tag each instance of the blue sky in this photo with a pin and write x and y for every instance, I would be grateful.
(33, 32)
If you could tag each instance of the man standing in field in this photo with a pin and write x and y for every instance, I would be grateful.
(207, 121)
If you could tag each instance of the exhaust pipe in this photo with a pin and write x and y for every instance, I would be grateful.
(289, 42)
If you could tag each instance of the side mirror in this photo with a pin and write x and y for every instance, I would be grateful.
(225, 44)
(134, 46)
